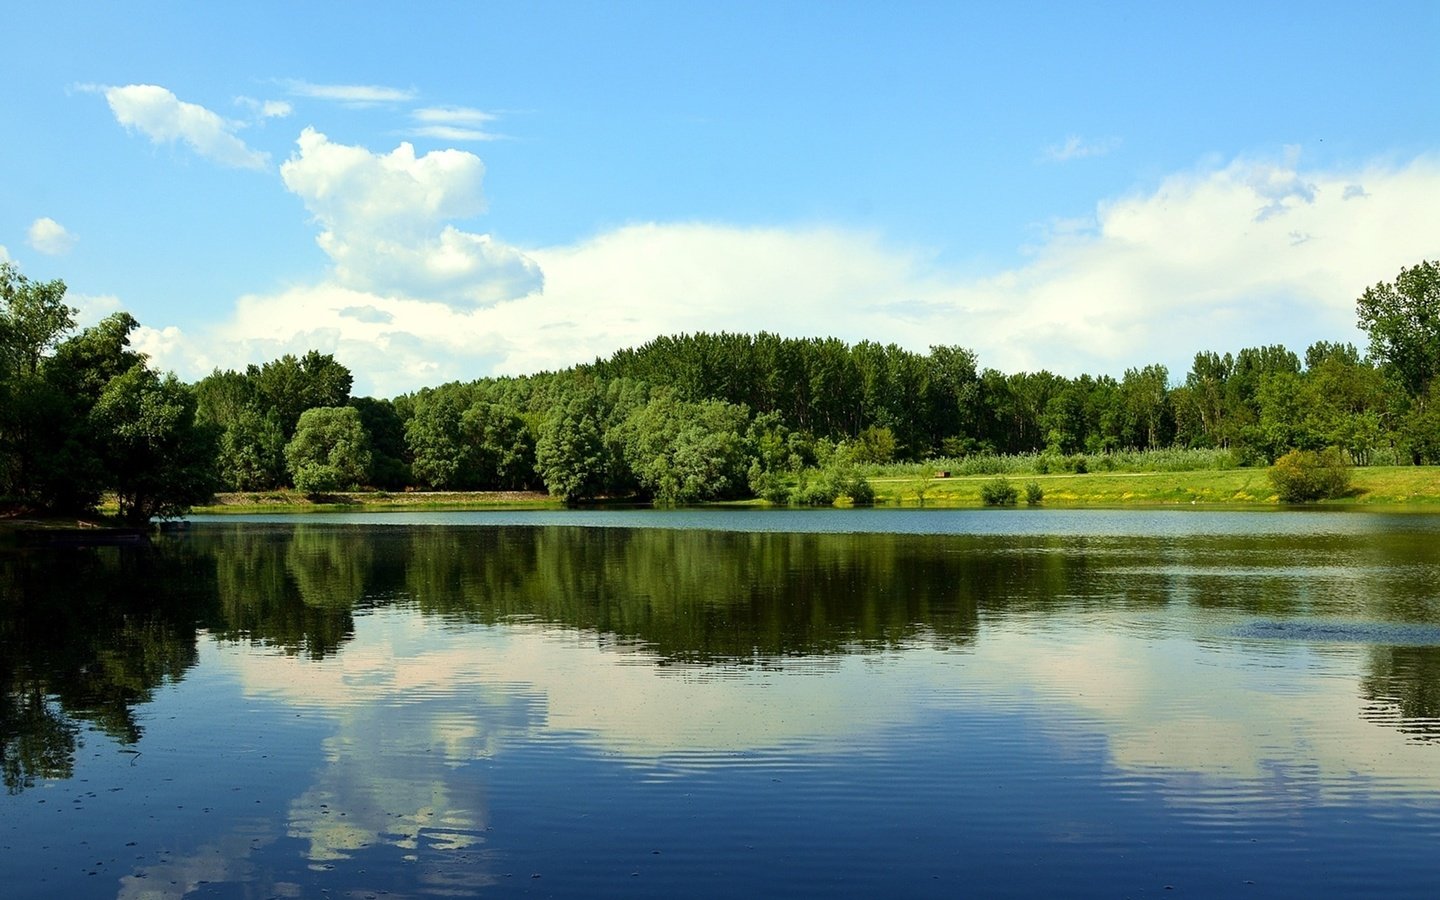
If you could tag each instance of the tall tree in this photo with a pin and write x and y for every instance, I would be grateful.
(33, 318)
(571, 455)
(1402, 320)
(158, 461)
(330, 450)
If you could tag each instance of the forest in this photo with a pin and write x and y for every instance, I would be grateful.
(682, 419)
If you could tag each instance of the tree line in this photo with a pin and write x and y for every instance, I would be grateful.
(679, 419)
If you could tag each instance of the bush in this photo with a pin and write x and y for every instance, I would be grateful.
(1033, 493)
(820, 492)
(1303, 475)
(860, 491)
(999, 492)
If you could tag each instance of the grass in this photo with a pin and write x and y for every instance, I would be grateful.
(286, 501)
(1414, 487)
(1372, 486)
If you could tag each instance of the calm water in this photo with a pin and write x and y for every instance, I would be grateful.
(871, 703)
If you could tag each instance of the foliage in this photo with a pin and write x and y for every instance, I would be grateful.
(999, 492)
(33, 318)
(875, 444)
(1034, 494)
(1420, 428)
(158, 461)
(330, 450)
(1402, 320)
(1303, 475)
(258, 410)
(686, 452)
(688, 418)
(502, 447)
(386, 431)
(571, 456)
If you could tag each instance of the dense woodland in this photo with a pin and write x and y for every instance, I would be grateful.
(680, 419)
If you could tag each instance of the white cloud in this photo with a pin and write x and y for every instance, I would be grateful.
(4, 254)
(266, 109)
(385, 221)
(351, 94)
(452, 115)
(1186, 266)
(453, 133)
(50, 237)
(161, 116)
(91, 308)
(453, 123)
(1076, 147)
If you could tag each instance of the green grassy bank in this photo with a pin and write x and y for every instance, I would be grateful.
(364, 501)
(1411, 487)
(1417, 486)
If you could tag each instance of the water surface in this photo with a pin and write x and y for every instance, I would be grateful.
(853, 703)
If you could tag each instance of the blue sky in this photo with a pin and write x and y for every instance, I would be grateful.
(1076, 188)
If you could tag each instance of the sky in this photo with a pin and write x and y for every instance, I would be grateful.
(443, 191)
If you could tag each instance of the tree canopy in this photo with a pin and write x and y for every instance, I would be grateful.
(1402, 319)
(679, 419)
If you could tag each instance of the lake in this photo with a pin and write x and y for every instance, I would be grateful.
(723, 703)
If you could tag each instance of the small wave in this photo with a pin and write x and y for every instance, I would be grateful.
(1394, 633)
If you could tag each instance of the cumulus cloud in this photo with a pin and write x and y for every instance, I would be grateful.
(351, 94)
(164, 118)
(1281, 186)
(91, 308)
(1076, 147)
(368, 314)
(385, 221)
(1155, 276)
(49, 237)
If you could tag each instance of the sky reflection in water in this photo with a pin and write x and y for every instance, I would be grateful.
(1092, 703)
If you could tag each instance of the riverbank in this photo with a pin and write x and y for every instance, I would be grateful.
(1371, 486)
(1379, 486)
(1416, 487)
(368, 501)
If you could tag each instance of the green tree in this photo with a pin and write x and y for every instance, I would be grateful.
(36, 418)
(1146, 398)
(291, 385)
(501, 446)
(875, 444)
(432, 436)
(157, 460)
(330, 450)
(1402, 320)
(252, 439)
(571, 455)
(33, 318)
(385, 430)
(252, 453)
(685, 452)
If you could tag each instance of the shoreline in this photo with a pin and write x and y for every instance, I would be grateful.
(1377, 489)
(1415, 488)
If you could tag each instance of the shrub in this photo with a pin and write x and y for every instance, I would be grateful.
(1303, 475)
(1033, 493)
(820, 492)
(860, 491)
(999, 492)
